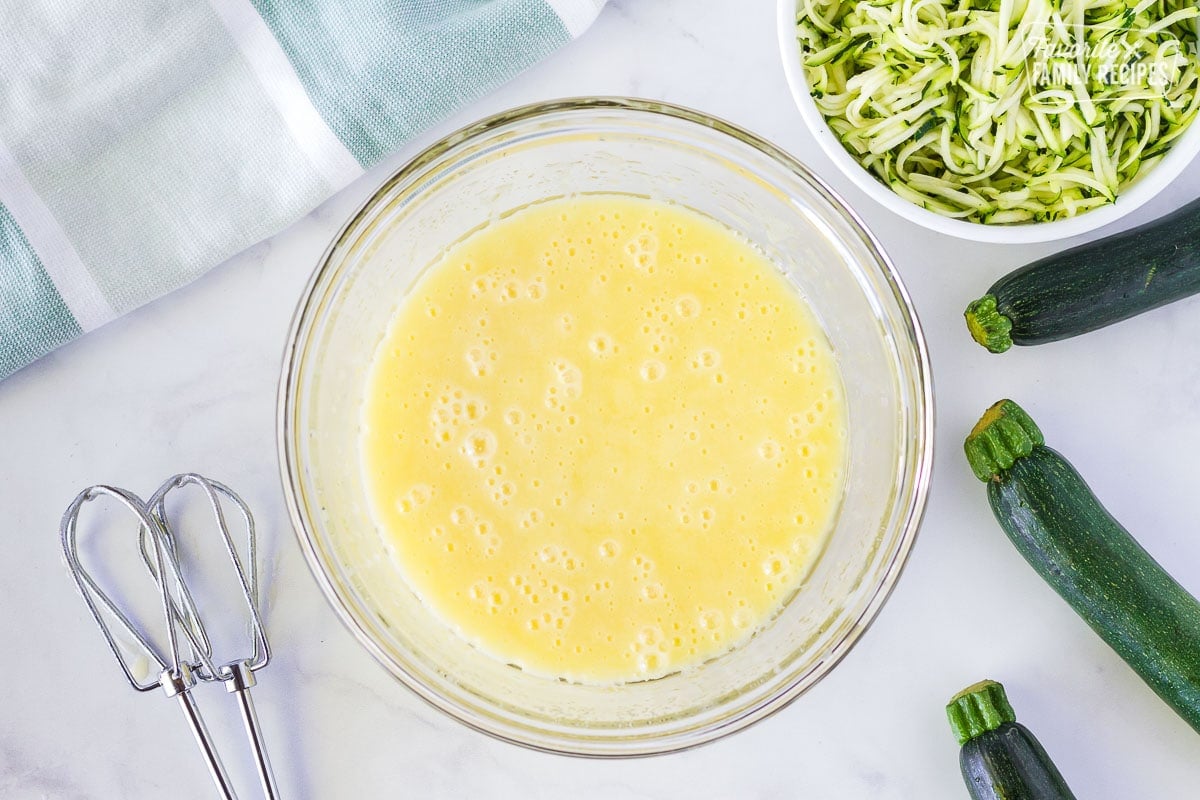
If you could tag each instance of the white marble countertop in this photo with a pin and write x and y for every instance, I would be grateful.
(188, 383)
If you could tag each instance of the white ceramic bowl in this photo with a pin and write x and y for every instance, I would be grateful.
(1144, 188)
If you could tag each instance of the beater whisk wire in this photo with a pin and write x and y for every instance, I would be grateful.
(189, 655)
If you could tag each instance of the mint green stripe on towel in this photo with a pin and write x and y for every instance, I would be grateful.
(380, 71)
(151, 142)
(33, 318)
(143, 143)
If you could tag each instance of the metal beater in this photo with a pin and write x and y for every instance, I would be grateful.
(190, 657)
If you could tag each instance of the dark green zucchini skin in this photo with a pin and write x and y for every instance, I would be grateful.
(1104, 281)
(1064, 532)
(1009, 763)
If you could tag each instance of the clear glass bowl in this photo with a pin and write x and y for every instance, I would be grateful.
(670, 154)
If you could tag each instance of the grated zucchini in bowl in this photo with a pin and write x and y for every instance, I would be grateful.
(1003, 111)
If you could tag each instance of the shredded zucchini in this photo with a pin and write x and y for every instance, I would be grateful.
(1004, 111)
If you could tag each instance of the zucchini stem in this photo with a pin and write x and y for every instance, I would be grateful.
(979, 708)
(988, 326)
(1003, 434)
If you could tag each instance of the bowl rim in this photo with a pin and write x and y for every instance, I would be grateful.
(907, 524)
(1147, 186)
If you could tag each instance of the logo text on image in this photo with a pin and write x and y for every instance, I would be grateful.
(1103, 56)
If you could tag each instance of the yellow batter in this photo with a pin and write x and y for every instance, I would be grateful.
(604, 438)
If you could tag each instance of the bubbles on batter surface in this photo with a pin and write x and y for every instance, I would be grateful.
(642, 250)
(687, 307)
(451, 411)
(711, 620)
(569, 376)
(705, 359)
(481, 360)
(565, 386)
(501, 492)
(650, 651)
(743, 619)
(462, 515)
(506, 287)
(543, 558)
(511, 290)
(552, 603)
(650, 664)
(532, 518)
(652, 370)
(602, 345)
(414, 498)
(491, 597)
(805, 360)
(776, 565)
(650, 636)
(481, 285)
(479, 446)
(769, 450)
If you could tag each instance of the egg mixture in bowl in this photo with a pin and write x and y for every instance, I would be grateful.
(606, 427)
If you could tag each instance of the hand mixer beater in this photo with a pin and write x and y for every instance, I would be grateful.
(188, 657)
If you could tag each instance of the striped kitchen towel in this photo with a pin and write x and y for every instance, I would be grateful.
(144, 141)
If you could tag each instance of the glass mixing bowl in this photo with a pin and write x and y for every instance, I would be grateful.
(672, 155)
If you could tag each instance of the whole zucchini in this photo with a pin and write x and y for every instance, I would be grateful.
(1085, 555)
(1092, 285)
(1000, 758)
